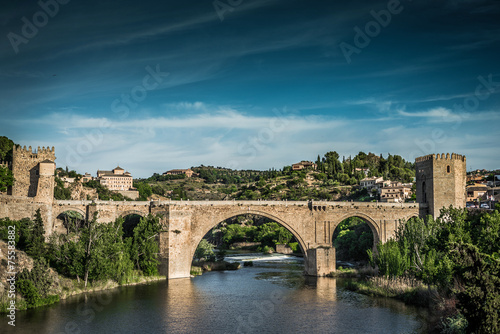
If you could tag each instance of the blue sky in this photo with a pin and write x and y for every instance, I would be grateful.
(251, 84)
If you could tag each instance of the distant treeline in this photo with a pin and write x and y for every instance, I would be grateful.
(346, 172)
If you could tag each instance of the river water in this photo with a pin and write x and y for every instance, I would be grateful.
(272, 296)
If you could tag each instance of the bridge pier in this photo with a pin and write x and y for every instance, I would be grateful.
(320, 261)
(163, 256)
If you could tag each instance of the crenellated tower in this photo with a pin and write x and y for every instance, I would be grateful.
(441, 180)
(34, 173)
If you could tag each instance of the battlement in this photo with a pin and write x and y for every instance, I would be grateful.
(25, 151)
(441, 156)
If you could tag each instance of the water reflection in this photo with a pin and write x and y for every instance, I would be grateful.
(270, 297)
(325, 287)
(182, 305)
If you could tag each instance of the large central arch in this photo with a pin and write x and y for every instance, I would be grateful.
(375, 228)
(196, 240)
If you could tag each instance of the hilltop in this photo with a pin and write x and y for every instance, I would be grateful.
(326, 179)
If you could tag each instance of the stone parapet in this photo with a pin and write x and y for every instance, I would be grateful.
(441, 156)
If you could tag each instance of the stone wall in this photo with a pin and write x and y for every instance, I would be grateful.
(132, 194)
(283, 249)
(17, 208)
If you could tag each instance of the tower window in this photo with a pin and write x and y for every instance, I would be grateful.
(448, 169)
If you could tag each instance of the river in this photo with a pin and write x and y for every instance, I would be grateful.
(272, 296)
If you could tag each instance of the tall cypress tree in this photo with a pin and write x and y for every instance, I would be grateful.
(36, 239)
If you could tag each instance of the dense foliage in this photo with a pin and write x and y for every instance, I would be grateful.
(6, 146)
(89, 251)
(205, 251)
(253, 229)
(67, 173)
(104, 193)
(459, 253)
(144, 190)
(330, 168)
(143, 245)
(60, 192)
(34, 284)
(101, 251)
(6, 178)
(352, 238)
(159, 178)
(29, 235)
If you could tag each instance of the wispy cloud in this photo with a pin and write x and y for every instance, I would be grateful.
(431, 113)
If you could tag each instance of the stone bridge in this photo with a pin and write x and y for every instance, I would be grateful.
(186, 222)
(440, 182)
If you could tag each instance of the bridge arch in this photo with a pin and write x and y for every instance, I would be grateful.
(131, 219)
(59, 224)
(370, 221)
(132, 212)
(413, 215)
(71, 208)
(224, 217)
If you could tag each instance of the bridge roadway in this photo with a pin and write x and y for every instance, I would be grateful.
(186, 222)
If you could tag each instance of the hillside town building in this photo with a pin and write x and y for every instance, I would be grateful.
(187, 172)
(476, 192)
(116, 179)
(304, 164)
(370, 182)
(396, 192)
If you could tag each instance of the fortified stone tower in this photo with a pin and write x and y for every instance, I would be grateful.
(34, 173)
(441, 181)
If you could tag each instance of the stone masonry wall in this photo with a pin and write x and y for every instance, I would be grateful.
(25, 169)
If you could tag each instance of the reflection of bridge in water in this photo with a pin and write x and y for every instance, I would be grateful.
(186, 222)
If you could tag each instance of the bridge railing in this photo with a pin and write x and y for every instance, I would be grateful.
(244, 203)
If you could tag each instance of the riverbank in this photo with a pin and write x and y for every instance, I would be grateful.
(67, 287)
(198, 267)
(408, 290)
(445, 318)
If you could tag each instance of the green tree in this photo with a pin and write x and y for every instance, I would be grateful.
(158, 190)
(34, 285)
(6, 146)
(478, 288)
(390, 260)
(270, 234)
(205, 250)
(352, 238)
(6, 178)
(106, 255)
(28, 290)
(144, 191)
(60, 192)
(36, 239)
(67, 255)
(143, 246)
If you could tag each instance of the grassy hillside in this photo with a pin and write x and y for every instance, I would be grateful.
(332, 180)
